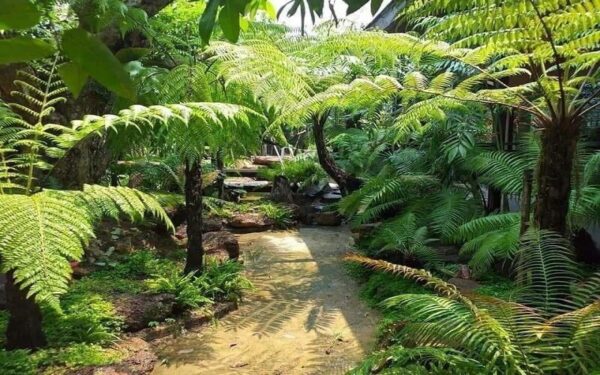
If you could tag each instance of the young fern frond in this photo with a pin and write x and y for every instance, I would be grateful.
(402, 235)
(25, 138)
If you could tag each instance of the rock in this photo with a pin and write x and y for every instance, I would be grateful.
(268, 159)
(221, 242)
(331, 197)
(246, 183)
(315, 190)
(139, 360)
(281, 191)
(464, 285)
(79, 270)
(250, 222)
(140, 309)
(211, 224)
(328, 218)
(304, 213)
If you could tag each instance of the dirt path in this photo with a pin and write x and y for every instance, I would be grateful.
(304, 318)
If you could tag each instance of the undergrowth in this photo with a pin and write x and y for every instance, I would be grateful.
(83, 331)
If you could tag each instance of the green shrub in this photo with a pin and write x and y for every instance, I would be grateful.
(78, 355)
(85, 318)
(24, 362)
(3, 325)
(382, 286)
(17, 362)
(218, 282)
(184, 288)
(304, 171)
(280, 215)
(224, 280)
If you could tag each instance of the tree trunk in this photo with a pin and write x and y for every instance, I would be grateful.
(494, 200)
(24, 330)
(346, 181)
(221, 178)
(193, 205)
(559, 143)
(526, 200)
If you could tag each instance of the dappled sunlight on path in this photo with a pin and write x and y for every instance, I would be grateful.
(303, 318)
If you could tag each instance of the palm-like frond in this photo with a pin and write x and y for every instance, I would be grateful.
(191, 125)
(551, 330)
(450, 209)
(546, 270)
(402, 235)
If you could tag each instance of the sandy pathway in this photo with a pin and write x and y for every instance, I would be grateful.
(304, 318)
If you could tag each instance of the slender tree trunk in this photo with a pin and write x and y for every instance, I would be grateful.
(559, 143)
(193, 205)
(346, 181)
(221, 178)
(526, 200)
(24, 329)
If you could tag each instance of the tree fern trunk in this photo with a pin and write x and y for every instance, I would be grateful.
(24, 329)
(193, 204)
(559, 143)
(346, 181)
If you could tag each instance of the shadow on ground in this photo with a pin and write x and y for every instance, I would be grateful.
(304, 317)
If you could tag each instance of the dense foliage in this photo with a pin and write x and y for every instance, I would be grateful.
(471, 131)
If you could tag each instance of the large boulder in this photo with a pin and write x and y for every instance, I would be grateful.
(281, 190)
(250, 222)
(140, 309)
(221, 243)
(139, 360)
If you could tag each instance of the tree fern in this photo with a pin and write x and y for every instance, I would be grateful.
(553, 329)
(403, 236)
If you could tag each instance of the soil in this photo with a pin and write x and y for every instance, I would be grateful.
(304, 317)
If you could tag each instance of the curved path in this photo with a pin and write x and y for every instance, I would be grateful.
(304, 317)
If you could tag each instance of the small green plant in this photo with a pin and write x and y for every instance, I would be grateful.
(24, 362)
(224, 280)
(281, 216)
(85, 318)
(17, 362)
(304, 171)
(183, 287)
(78, 355)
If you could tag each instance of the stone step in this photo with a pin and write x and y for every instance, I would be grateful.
(268, 159)
(243, 172)
(247, 183)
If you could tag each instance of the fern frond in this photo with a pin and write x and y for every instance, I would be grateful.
(40, 234)
(545, 270)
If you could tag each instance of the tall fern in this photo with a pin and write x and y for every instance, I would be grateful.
(552, 329)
